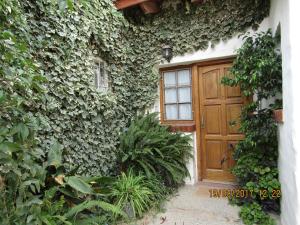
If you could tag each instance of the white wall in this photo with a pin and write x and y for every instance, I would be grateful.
(192, 165)
(287, 13)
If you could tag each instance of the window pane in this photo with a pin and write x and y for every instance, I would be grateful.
(185, 112)
(171, 112)
(101, 76)
(169, 79)
(184, 77)
(170, 95)
(184, 94)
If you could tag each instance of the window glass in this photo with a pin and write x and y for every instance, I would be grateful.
(171, 112)
(170, 95)
(170, 79)
(184, 77)
(184, 95)
(177, 95)
(185, 112)
(101, 75)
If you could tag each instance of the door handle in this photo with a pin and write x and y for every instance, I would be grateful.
(202, 122)
(230, 146)
(223, 160)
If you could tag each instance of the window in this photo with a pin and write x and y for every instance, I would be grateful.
(101, 75)
(177, 95)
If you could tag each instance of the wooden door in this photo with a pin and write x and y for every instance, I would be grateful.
(220, 109)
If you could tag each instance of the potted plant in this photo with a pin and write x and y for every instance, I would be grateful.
(277, 111)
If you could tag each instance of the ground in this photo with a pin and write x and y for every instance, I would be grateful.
(192, 205)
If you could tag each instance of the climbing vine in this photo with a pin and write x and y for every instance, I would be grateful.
(257, 70)
(64, 43)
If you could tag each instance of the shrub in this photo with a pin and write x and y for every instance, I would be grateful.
(257, 67)
(257, 70)
(149, 148)
(133, 194)
(253, 214)
(52, 196)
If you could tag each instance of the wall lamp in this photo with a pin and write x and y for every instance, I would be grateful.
(167, 52)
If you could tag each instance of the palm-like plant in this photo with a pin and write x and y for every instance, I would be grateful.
(150, 148)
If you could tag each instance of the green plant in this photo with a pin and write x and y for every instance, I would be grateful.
(83, 194)
(41, 39)
(53, 197)
(132, 194)
(257, 69)
(150, 148)
(22, 92)
(64, 43)
(252, 214)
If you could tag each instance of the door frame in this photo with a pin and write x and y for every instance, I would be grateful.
(195, 71)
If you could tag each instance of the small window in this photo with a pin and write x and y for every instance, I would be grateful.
(177, 95)
(101, 75)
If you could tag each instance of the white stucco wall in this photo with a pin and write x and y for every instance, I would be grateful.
(192, 165)
(286, 12)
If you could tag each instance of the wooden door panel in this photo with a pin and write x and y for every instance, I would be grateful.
(214, 154)
(233, 113)
(210, 84)
(220, 110)
(213, 119)
(231, 92)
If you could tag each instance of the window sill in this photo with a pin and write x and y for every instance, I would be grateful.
(182, 127)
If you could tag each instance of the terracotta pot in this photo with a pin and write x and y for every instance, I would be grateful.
(278, 115)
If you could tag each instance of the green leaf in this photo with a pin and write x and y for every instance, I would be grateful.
(93, 203)
(55, 155)
(79, 185)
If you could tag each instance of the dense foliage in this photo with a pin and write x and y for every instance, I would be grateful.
(34, 188)
(64, 43)
(253, 214)
(257, 69)
(149, 148)
(41, 40)
(20, 96)
(49, 195)
(85, 121)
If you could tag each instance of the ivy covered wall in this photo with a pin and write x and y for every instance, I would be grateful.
(64, 43)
